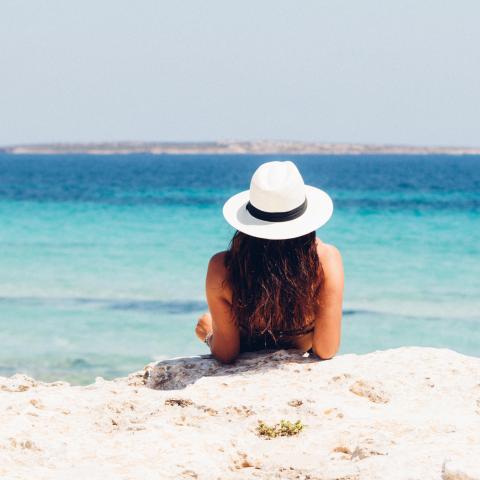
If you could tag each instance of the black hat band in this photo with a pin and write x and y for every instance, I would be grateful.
(277, 216)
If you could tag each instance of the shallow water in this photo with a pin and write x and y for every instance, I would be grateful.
(103, 258)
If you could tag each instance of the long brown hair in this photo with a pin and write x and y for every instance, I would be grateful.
(275, 284)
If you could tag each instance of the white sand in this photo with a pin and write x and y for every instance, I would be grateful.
(407, 413)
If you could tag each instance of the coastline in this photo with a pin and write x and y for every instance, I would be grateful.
(408, 412)
(233, 148)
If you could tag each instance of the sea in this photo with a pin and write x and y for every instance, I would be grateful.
(103, 258)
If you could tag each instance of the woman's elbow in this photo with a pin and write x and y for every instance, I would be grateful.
(324, 353)
(226, 358)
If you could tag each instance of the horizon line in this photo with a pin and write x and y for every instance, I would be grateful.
(216, 147)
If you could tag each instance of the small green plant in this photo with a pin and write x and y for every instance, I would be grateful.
(283, 429)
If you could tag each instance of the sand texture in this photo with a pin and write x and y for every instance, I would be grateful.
(406, 413)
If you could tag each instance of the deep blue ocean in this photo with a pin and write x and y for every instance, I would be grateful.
(103, 258)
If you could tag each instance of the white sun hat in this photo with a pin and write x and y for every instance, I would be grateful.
(278, 205)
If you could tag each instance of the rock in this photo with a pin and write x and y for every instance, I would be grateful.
(458, 470)
(17, 383)
(371, 417)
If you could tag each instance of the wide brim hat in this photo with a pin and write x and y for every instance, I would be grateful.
(278, 205)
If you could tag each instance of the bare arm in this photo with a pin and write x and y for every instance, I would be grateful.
(225, 342)
(326, 336)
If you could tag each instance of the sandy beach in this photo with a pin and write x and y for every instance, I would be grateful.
(406, 413)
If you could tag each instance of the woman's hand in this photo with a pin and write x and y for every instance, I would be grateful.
(204, 326)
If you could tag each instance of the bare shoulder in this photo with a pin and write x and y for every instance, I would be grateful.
(328, 253)
(217, 262)
(216, 271)
(331, 260)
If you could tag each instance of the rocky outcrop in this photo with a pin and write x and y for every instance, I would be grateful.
(406, 413)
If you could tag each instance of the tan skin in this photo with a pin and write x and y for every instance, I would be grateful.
(325, 338)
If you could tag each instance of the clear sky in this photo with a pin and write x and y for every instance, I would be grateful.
(380, 71)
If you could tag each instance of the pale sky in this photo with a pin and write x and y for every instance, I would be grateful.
(369, 71)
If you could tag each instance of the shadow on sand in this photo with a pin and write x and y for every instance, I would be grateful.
(177, 373)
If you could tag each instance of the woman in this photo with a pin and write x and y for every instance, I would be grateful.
(278, 286)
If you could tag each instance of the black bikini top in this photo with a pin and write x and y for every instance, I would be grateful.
(284, 333)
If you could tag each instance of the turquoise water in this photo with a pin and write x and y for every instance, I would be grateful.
(103, 259)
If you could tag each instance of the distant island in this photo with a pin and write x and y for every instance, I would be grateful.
(233, 147)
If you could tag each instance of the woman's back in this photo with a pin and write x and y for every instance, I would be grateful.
(274, 285)
(243, 336)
